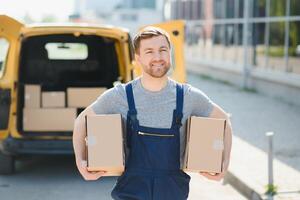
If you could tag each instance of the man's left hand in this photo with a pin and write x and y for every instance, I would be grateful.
(214, 177)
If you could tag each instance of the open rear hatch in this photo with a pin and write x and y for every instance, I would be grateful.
(58, 62)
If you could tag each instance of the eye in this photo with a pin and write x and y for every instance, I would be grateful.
(148, 52)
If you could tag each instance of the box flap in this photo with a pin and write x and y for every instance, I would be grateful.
(223, 156)
(185, 160)
(86, 144)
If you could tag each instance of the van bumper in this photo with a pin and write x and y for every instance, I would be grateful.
(15, 146)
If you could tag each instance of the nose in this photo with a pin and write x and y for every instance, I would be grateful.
(156, 56)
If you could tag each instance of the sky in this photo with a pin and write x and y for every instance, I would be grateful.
(61, 9)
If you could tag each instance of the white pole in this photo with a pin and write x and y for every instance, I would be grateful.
(270, 162)
(245, 44)
(267, 34)
(286, 37)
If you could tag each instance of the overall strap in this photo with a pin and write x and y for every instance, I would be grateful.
(132, 122)
(179, 98)
(130, 99)
(178, 113)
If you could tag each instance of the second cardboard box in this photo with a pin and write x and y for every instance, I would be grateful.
(204, 145)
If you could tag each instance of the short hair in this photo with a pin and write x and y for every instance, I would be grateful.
(149, 32)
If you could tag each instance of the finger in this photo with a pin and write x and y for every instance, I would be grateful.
(89, 176)
(97, 175)
(100, 174)
(97, 172)
(207, 175)
(210, 176)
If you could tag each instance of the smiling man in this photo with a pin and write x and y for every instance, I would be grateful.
(155, 108)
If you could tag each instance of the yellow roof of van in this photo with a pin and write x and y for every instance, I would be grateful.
(75, 28)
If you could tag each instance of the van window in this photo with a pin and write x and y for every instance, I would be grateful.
(67, 51)
(3, 54)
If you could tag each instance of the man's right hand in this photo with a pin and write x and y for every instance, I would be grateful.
(87, 175)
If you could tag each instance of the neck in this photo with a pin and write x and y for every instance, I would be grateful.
(153, 84)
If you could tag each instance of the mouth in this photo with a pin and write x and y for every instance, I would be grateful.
(158, 65)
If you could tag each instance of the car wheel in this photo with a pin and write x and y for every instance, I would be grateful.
(7, 164)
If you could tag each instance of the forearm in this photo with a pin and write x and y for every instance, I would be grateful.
(79, 134)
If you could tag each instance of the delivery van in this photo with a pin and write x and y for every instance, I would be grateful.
(46, 68)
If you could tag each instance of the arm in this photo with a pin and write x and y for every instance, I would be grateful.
(79, 145)
(218, 112)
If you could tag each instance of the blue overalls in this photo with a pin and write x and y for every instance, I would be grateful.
(153, 168)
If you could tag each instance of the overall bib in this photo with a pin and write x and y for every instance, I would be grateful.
(153, 168)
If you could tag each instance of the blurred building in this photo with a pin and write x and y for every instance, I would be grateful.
(133, 19)
(257, 39)
(134, 14)
(151, 4)
(129, 14)
(94, 11)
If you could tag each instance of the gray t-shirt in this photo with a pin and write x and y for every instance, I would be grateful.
(155, 109)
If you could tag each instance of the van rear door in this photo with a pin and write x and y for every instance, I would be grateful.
(9, 34)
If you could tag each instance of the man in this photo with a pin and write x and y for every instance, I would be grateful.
(155, 108)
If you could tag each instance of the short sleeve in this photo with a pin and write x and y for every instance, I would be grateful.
(106, 102)
(198, 102)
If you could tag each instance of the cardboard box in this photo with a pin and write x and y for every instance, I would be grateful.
(205, 144)
(53, 99)
(105, 144)
(83, 97)
(49, 119)
(32, 96)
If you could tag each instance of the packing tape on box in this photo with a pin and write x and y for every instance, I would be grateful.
(91, 140)
(218, 145)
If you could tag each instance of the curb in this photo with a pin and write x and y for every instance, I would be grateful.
(241, 186)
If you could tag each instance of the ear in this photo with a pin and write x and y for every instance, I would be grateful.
(137, 57)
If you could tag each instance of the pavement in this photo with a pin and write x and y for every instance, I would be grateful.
(56, 177)
(202, 188)
(252, 115)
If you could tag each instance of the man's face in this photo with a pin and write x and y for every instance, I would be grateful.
(154, 56)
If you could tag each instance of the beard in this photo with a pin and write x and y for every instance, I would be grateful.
(157, 72)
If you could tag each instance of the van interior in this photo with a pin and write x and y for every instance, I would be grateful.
(57, 62)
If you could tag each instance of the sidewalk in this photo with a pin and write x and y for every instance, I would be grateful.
(253, 115)
(202, 188)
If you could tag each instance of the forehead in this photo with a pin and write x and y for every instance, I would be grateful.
(154, 42)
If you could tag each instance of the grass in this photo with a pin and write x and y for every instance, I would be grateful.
(250, 90)
(207, 77)
(277, 51)
(271, 189)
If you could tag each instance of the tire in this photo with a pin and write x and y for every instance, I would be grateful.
(7, 164)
